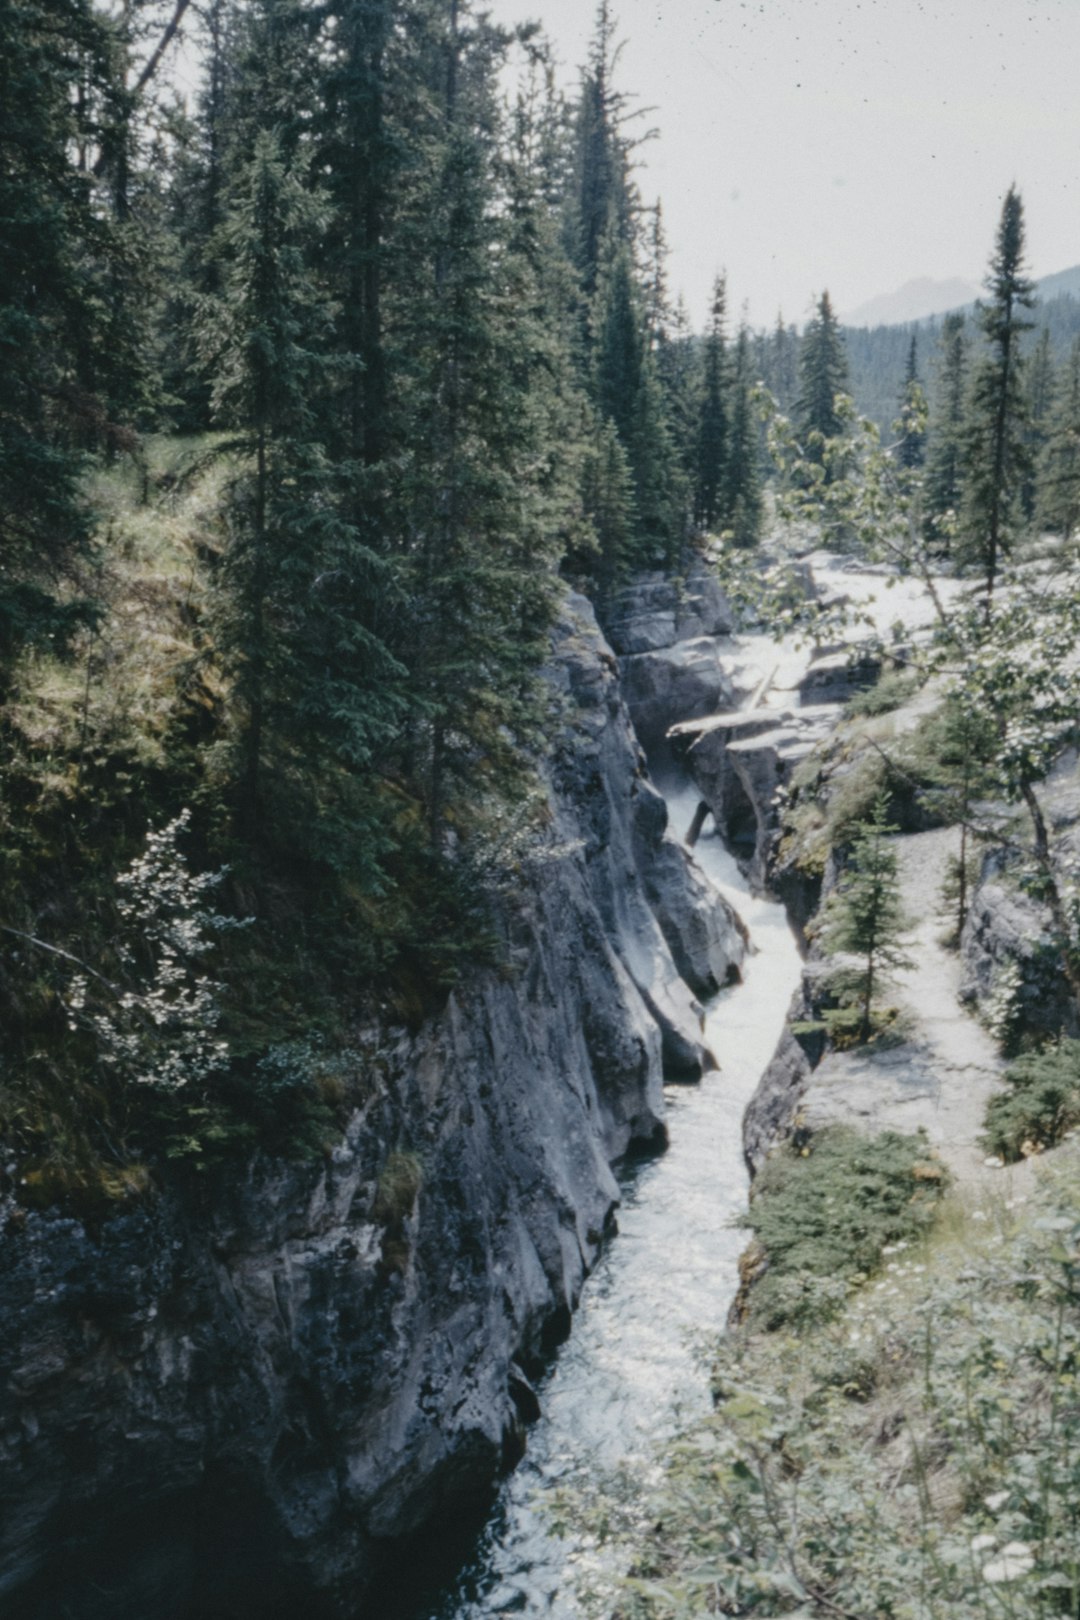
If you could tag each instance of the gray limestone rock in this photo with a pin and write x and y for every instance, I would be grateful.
(680, 682)
(284, 1372)
(656, 611)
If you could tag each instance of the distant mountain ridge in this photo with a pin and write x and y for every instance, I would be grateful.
(914, 301)
(925, 298)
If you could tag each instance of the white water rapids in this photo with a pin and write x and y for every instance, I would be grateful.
(629, 1371)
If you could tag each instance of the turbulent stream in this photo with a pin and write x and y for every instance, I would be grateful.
(630, 1370)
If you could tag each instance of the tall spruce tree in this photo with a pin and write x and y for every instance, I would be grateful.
(304, 669)
(604, 202)
(710, 485)
(742, 485)
(55, 66)
(864, 915)
(945, 463)
(823, 376)
(481, 480)
(996, 456)
(1041, 386)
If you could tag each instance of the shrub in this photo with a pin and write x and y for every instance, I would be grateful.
(824, 1214)
(891, 692)
(1041, 1104)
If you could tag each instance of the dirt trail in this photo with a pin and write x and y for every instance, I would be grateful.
(941, 1077)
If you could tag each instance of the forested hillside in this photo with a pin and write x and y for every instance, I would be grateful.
(312, 390)
(315, 391)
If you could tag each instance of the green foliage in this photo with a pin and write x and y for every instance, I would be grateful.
(910, 428)
(863, 915)
(1041, 1105)
(713, 450)
(996, 455)
(1058, 506)
(54, 76)
(945, 462)
(915, 1457)
(891, 691)
(824, 1214)
(823, 378)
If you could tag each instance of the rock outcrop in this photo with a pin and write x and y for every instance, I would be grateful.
(673, 638)
(281, 1376)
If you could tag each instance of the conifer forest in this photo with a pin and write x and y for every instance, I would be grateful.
(471, 739)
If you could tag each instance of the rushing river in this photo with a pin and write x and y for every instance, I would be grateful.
(629, 1371)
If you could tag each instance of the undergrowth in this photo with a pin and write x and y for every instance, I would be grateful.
(103, 749)
(1041, 1104)
(915, 1457)
(824, 1213)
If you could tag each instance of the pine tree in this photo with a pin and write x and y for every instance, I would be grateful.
(1041, 385)
(486, 504)
(608, 498)
(995, 448)
(627, 392)
(823, 376)
(944, 471)
(742, 486)
(604, 202)
(54, 74)
(783, 363)
(1058, 506)
(911, 427)
(864, 915)
(312, 688)
(710, 490)
(678, 366)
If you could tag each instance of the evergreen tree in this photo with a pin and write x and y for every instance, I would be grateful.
(1040, 404)
(782, 363)
(742, 488)
(711, 491)
(995, 447)
(1059, 471)
(864, 916)
(628, 393)
(604, 202)
(823, 376)
(678, 366)
(911, 427)
(311, 687)
(944, 471)
(55, 65)
(485, 497)
(608, 497)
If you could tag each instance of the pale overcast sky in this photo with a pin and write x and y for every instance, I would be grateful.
(848, 144)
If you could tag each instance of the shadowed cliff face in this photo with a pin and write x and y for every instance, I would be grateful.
(223, 1404)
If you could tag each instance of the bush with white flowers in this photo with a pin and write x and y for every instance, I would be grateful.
(161, 1029)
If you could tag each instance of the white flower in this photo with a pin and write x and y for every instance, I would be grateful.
(1015, 1560)
(983, 1543)
(996, 1502)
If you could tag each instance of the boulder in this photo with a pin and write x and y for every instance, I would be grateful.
(678, 682)
(656, 611)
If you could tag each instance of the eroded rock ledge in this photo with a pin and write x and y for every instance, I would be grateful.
(275, 1383)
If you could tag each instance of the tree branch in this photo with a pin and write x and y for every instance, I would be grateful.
(55, 950)
(154, 61)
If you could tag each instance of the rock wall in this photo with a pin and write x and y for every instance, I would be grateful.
(263, 1386)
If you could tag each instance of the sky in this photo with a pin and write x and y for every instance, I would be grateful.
(852, 145)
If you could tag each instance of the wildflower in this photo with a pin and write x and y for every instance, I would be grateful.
(1015, 1560)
